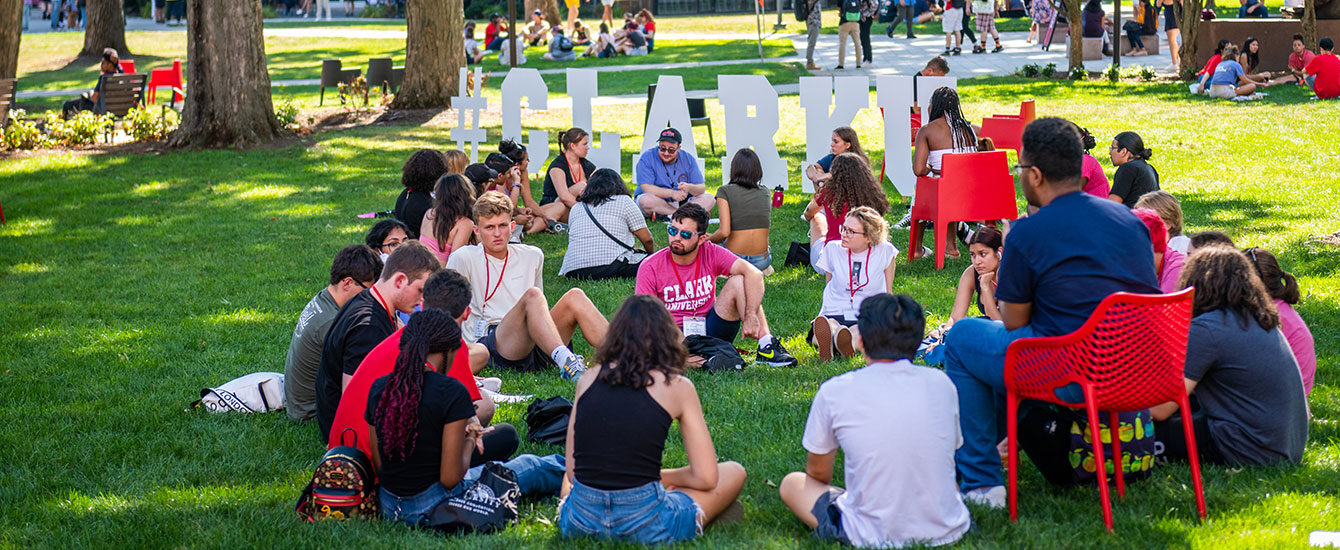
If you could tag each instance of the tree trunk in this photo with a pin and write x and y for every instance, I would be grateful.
(1190, 24)
(550, 9)
(11, 20)
(104, 27)
(228, 98)
(1074, 42)
(1310, 24)
(434, 55)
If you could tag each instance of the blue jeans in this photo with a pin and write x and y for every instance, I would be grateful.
(534, 475)
(647, 514)
(975, 362)
(761, 261)
(1133, 31)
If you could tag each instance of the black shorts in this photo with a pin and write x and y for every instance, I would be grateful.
(830, 517)
(721, 328)
(620, 269)
(533, 361)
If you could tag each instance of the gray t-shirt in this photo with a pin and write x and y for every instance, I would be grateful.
(1249, 388)
(304, 355)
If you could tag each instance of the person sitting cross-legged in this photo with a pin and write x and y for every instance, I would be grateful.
(684, 277)
(509, 313)
(668, 177)
(355, 268)
(615, 486)
(1056, 266)
(899, 475)
(858, 266)
(424, 433)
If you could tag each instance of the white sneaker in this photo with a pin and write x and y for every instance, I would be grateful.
(991, 497)
(491, 383)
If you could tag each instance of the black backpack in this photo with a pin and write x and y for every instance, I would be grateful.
(342, 486)
(801, 9)
(851, 10)
(564, 43)
(547, 420)
(487, 506)
(717, 354)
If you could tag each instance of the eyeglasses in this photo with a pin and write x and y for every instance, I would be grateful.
(667, 149)
(684, 233)
(849, 231)
(390, 246)
(1019, 168)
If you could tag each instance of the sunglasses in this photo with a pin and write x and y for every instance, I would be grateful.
(684, 233)
(667, 149)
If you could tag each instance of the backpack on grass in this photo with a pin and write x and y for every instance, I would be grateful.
(342, 486)
(258, 392)
(547, 420)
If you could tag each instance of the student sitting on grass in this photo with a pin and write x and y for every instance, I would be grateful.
(1202, 85)
(1247, 395)
(1134, 176)
(603, 45)
(890, 408)
(604, 226)
(1230, 80)
(1170, 209)
(367, 319)
(1048, 286)
(851, 185)
(385, 236)
(745, 208)
(1283, 289)
(448, 225)
(566, 176)
(1323, 73)
(647, 26)
(561, 47)
(683, 276)
(1168, 263)
(984, 247)
(668, 177)
(355, 267)
(473, 53)
(418, 176)
(1207, 238)
(424, 432)
(1095, 180)
(537, 32)
(857, 267)
(615, 486)
(509, 313)
(845, 140)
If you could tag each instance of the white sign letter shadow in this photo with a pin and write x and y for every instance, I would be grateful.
(525, 83)
(846, 95)
(738, 93)
(670, 106)
(582, 88)
(464, 103)
(893, 94)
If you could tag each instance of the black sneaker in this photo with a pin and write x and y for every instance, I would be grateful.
(957, 51)
(775, 355)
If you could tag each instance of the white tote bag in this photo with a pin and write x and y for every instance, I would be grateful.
(258, 392)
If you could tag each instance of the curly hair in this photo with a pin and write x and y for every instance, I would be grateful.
(1225, 279)
(1280, 284)
(422, 169)
(852, 185)
(642, 337)
(454, 199)
(396, 417)
(875, 226)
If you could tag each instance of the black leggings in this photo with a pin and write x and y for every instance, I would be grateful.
(1173, 439)
(500, 443)
(867, 54)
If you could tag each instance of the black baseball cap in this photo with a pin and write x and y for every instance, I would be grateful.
(671, 134)
(479, 173)
(537, 12)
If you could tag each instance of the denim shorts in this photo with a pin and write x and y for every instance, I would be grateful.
(535, 475)
(830, 517)
(761, 261)
(647, 514)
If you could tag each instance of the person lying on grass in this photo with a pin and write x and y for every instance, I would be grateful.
(423, 430)
(367, 319)
(355, 268)
(509, 313)
(1249, 405)
(886, 503)
(683, 276)
(857, 267)
(615, 486)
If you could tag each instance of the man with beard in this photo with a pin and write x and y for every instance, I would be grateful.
(684, 277)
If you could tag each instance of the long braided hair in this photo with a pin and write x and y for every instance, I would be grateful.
(944, 103)
(397, 416)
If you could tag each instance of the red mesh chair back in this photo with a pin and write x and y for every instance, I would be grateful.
(971, 187)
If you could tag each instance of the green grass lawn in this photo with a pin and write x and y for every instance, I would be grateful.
(134, 281)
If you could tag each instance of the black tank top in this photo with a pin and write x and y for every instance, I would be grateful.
(618, 437)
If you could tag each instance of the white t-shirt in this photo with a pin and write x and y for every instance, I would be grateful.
(588, 246)
(897, 426)
(504, 53)
(868, 280)
(1180, 243)
(471, 45)
(502, 282)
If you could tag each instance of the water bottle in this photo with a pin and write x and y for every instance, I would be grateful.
(777, 195)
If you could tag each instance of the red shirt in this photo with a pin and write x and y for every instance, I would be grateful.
(1298, 62)
(1326, 67)
(378, 363)
(1210, 65)
(490, 32)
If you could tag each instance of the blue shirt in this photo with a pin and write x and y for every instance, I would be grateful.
(1227, 73)
(650, 170)
(1069, 256)
(826, 163)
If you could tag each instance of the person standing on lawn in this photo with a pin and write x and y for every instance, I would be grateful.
(1056, 266)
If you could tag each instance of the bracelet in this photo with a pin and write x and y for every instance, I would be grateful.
(516, 185)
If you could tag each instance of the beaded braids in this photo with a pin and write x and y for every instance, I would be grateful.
(944, 103)
(397, 416)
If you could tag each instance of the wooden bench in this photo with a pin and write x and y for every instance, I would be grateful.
(118, 94)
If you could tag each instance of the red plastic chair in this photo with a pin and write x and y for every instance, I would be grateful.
(128, 66)
(2, 215)
(971, 187)
(166, 76)
(1007, 131)
(1129, 356)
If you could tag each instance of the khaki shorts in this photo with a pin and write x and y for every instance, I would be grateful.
(1221, 91)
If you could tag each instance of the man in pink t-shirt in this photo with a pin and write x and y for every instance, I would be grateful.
(684, 277)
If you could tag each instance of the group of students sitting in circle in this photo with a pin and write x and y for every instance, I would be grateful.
(636, 37)
(452, 264)
(1233, 71)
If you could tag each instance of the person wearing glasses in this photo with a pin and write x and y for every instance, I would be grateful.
(683, 276)
(1055, 267)
(1134, 176)
(355, 268)
(386, 235)
(668, 177)
(857, 266)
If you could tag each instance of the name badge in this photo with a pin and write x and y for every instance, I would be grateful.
(481, 328)
(695, 326)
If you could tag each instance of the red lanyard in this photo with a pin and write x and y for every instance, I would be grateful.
(697, 271)
(574, 173)
(489, 294)
(851, 274)
(384, 305)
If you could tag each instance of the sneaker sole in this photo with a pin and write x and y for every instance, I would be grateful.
(773, 363)
(823, 338)
(844, 345)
